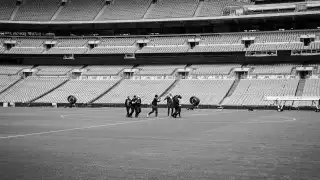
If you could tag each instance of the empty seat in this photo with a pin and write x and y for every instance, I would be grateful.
(80, 10)
(163, 49)
(311, 88)
(124, 9)
(67, 50)
(214, 69)
(29, 89)
(146, 89)
(271, 69)
(113, 50)
(253, 92)
(6, 81)
(83, 90)
(37, 10)
(208, 91)
(173, 9)
(218, 48)
(25, 50)
(104, 70)
(6, 9)
(158, 69)
(12, 69)
(55, 70)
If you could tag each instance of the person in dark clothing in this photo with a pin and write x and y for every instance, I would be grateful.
(128, 105)
(177, 106)
(169, 104)
(154, 105)
(133, 105)
(138, 106)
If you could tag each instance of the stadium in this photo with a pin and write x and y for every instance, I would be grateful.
(234, 55)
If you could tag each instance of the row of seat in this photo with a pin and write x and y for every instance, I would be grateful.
(211, 92)
(82, 10)
(216, 69)
(281, 37)
(253, 92)
(30, 88)
(160, 49)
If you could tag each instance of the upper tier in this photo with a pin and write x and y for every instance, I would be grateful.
(98, 10)
(224, 42)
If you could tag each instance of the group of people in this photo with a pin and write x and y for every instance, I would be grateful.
(173, 105)
(133, 105)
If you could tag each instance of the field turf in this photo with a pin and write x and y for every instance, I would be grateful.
(102, 144)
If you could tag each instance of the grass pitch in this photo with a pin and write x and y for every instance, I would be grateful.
(102, 144)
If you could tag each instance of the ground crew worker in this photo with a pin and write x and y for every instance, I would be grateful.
(154, 105)
(128, 105)
(169, 104)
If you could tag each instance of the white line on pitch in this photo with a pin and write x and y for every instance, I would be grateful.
(80, 128)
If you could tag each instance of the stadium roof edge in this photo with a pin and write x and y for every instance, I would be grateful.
(243, 17)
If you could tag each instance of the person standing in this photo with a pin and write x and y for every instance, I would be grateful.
(128, 105)
(138, 106)
(169, 100)
(133, 105)
(154, 105)
(177, 106)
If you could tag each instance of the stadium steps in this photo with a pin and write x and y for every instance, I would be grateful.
(46, 93)
(151, 7)
(231, 90)
(14, 13)
(12, 84)
(197, 12)
(57, 13)
(107, 91)
(169, 88)
(300, 87)
(101, 12)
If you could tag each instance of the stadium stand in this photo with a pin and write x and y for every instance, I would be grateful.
(158, 70)
(275, 46)
(163, 49)
(2, 49)
(83, 90)
(6, 81)
(215, 69)
(173, 9)
(117, 41)
(216, 7)
(55, 70)
(12, 69)
(72, 42)
(25, 50)
(311, 88)
(29, 42)
(218, 48)
(29, 89)
(271, 69)
(146, 89)
(37, 10)
(253, 91)
(6, 9)
(80, 10)
(176, 40)
(221, 39)
(104, 70)
(210, 92)
(113, 50)
(67, 50)
(125, 10)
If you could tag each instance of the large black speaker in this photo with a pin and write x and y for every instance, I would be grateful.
(194, 101)
(71, 99)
